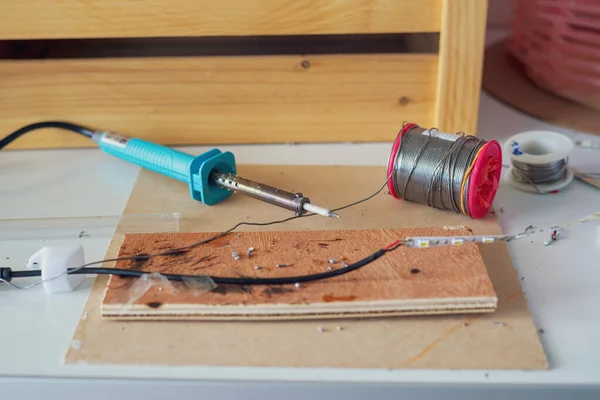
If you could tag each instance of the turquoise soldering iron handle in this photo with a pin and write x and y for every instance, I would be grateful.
(173, 163)
(157, 158)
(211, 176)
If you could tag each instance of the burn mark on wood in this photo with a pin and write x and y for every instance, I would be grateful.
(239, 274)
(276, 290)
(415, 271)
(222, 241)
(176, 253)
(202, 259)
(190, 259)
(226, 289)
(139, 261)
(328, 298)
(204, 266)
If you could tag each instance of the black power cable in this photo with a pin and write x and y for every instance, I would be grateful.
(82, 130)
(7, 274)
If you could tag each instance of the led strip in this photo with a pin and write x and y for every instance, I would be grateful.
(424, 242)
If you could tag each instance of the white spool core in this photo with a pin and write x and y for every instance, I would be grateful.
(539, 147)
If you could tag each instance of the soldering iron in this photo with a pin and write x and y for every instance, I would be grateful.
(211, 176)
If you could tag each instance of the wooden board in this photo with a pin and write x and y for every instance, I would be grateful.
(154, 18)
(461, 62)
(444, 341)
(263, 99)
(504, 79)
(404, 282)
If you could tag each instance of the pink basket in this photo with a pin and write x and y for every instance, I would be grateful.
(558, 42)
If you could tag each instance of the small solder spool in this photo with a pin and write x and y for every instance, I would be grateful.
(445, 171)
(539, 161)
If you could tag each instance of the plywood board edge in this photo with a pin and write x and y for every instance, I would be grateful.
(407, 307)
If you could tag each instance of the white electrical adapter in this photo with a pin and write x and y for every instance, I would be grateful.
(56, 260)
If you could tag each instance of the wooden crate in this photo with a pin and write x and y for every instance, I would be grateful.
(245, 97)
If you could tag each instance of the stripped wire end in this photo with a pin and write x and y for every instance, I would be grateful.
(392, 245)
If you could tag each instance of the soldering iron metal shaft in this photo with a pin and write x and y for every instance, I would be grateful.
(290, 201)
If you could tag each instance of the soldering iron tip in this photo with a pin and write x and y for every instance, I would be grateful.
(319, 210)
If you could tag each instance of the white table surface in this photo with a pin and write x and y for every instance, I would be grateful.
(561, 283)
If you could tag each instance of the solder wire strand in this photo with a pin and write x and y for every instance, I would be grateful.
(539, 174)
(405, 151)
(429, 170)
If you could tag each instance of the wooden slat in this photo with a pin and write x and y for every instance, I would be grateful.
(461, 62)
(23, 19)
(221, 99)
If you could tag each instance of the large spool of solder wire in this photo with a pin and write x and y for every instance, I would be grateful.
(455, 172)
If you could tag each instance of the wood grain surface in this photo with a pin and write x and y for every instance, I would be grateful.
(406, 281)
(504, 339)
(153, 18)
(207, 100)
(462, 42)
